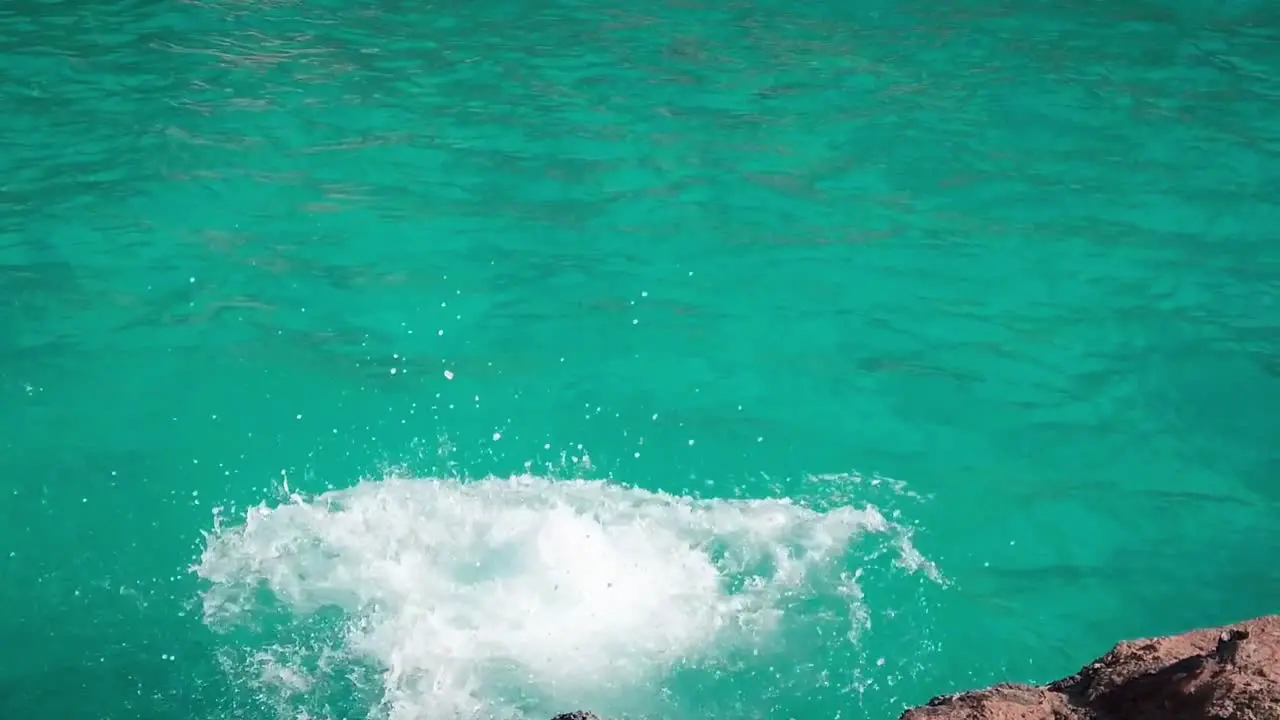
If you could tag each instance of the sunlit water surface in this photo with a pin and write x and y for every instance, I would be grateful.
(677, 360)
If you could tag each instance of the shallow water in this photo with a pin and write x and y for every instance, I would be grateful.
(916, 347)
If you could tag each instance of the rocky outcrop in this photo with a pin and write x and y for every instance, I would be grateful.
(1228, 673)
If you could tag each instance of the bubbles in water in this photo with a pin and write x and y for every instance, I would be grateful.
(499, 597)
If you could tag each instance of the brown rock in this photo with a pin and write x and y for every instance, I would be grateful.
(1220, 674)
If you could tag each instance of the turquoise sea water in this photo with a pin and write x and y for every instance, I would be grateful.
(679, 359)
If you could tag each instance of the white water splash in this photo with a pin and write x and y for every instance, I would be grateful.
(485, 598)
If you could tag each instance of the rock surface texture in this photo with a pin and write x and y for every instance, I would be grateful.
(1230, 673)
